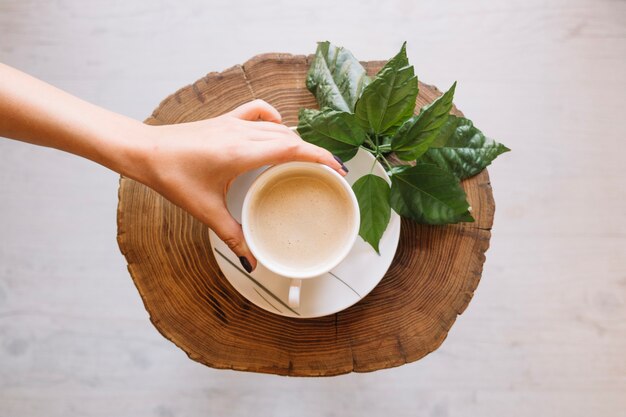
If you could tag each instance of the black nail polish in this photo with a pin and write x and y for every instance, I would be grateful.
(245, 263)
(341, 162)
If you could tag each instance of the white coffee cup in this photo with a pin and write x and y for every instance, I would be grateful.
(318, 171)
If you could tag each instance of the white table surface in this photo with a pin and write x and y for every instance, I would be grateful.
(545, 334)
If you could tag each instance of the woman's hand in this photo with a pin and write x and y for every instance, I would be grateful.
(193, 164)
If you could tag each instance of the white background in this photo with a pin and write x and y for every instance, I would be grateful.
(545, 334)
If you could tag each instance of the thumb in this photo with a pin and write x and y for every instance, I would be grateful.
(229, 230)
(256, 110)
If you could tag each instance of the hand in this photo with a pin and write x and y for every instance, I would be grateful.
(193, 164)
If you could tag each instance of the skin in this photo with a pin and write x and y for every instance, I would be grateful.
(190, 164)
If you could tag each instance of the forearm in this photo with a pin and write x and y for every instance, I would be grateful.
(190, 164)
(35, 112)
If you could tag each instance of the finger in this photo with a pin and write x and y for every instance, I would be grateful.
(338, 164)
(309, 152)
(270, 127)
(287, 150)
(264, 131)
(256, 110)
(230, 232)
(276, 143)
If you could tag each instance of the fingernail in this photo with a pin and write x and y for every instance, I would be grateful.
(341, 162)
(245, 263)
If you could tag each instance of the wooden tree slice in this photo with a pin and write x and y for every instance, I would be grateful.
(432, 278)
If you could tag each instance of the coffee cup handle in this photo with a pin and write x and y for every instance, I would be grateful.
(294, 293)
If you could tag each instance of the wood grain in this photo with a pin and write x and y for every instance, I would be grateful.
(408, 315)
(544, 334)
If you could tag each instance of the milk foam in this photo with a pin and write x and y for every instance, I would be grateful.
(301, 220)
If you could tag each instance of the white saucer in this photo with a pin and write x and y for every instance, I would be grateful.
(337, 290)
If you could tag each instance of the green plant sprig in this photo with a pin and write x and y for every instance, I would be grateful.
(378, 115)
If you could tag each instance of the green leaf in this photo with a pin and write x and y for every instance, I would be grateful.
(462, 149)
(333, 130)
(372, 192)
(336, 77)
(390, 99)
(416, 135)
(428, 194)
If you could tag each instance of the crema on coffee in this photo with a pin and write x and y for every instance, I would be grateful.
(301, 219)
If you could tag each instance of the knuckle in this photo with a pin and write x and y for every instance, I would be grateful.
(231, 242)
(318, 153)
(230, 153)
(289, 133)
(292, 148)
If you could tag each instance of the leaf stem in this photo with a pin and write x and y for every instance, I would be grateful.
(389, 167)
(373, 165)
(365, 148)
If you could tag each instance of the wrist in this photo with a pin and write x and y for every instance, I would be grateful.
(129, 153)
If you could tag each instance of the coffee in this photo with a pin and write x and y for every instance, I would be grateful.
(301, 219)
